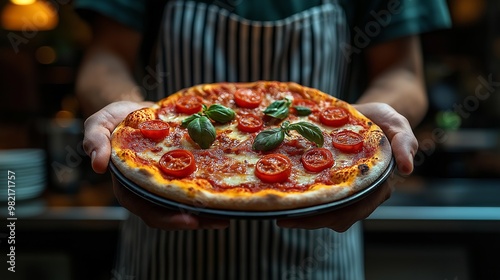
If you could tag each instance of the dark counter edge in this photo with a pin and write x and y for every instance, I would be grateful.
(384, 218)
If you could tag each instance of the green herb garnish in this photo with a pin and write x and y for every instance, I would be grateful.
(281, 108)
(200, 127)
(271, 138)
(278, 109)
(302, 111)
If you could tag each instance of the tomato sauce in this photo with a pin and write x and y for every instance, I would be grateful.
(287, 186)
(214, 165)
(134, 140)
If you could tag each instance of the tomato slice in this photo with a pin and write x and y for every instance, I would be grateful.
(317, 159)
(273, 168)
(334, 116)
(247, 98)
(154, 129)
(348, 141)
(189, 104)
(249, 123)
(178, 163)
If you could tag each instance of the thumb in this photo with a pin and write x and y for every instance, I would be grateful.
(96, 142)
(98, 129)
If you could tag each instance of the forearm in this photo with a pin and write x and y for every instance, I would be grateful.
(105, 74)
(396, 78)
(103, 79)
(402, 90)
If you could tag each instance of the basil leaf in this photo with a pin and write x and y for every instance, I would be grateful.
(309, 131)
(202, 131)
(220, 113)
(188, 120)
(278, 109)
(302, 111)
(268, 139)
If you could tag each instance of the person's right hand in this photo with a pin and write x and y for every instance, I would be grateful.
(96, 143)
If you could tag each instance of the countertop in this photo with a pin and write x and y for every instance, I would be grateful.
(440, 204)
(416, 205)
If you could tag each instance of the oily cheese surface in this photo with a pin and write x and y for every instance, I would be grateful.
(224, 178)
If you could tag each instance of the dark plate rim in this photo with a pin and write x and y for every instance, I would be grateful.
(235, 214)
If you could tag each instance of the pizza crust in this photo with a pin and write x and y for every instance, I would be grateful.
(199, 193)
(267, 200)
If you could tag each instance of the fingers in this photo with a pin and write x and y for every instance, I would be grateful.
(159, 217)
(96, 144)
(404, 144)
(399, 131)
(98, 129)
(342, 219)
(361, 209)
(96, 141)
(404, 148)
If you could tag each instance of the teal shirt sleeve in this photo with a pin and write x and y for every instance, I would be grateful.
(128, 12)
(383, 20)
(416, 17)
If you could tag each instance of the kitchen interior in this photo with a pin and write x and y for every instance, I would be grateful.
(442, 222)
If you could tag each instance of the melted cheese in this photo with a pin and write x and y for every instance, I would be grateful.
(299, 175)
(173, 118)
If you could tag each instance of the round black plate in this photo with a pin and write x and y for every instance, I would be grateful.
(234, 214)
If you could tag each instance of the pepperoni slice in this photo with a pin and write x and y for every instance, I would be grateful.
(189, 104)
(334, 116)
(154, 129)
(348, 141)
(247, 98)
(273, 168)
(178, 163)
(250, 123)
(317, 159)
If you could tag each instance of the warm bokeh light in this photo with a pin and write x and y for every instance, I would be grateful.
(45, 55)
(64, 118)
(37, 16)
(23, 2)
(63, 114)
(467, 11)
(70, 104)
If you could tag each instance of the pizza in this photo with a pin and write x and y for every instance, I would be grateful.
(258, 146)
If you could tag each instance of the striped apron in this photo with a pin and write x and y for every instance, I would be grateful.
(201, 43)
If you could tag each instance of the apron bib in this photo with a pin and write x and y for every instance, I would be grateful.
(193, 49)
(197, 45)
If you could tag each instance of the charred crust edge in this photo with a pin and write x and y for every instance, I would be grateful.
(363, 168)
(382, 141)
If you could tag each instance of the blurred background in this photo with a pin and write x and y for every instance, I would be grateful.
(446, 213)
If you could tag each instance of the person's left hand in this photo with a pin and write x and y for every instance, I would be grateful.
(404, 147)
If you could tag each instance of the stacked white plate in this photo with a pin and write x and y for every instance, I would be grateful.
(28, 168)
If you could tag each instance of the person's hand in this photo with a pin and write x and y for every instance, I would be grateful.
(404, 146)
(159, 217)
(96, 143)
(98, 128)
(396, 127)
